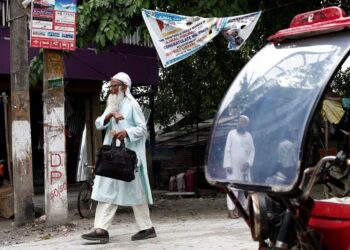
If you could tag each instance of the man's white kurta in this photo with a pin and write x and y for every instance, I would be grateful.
(239, 150)
(120, 192)
(287, 154)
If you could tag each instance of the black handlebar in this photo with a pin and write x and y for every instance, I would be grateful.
(335, 182)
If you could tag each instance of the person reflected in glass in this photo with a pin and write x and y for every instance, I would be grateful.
(287, 160)
(238, 159)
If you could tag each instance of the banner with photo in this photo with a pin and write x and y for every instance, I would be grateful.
(176, 37)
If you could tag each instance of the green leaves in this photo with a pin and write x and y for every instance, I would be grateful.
(110, 35)
(198, 83)
(36, 69)
(105, 22)
(341, 83)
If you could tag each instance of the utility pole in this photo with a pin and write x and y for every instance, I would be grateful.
(56, 204)
(20, 116)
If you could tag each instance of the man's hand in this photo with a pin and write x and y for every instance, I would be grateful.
(117, 116)
(120, 135)
(245, 166)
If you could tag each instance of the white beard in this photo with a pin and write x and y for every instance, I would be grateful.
(113, 101)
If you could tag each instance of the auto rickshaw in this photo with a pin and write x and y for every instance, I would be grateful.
(279, 93)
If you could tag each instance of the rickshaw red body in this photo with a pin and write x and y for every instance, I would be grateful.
(332, 220)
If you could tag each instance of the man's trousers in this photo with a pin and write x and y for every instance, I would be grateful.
(105, 213)
(241, 198)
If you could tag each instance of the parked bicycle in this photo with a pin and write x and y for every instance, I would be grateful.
(87, 206)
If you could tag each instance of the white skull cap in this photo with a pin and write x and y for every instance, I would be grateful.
(243, 120)
(121, 76)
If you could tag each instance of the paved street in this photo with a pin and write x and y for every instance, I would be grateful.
(181, 223)
(200, 234)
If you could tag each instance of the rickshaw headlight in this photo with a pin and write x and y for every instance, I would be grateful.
(262, 211)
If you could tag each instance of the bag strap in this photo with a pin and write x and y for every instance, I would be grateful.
(122, 144)
(114, 143)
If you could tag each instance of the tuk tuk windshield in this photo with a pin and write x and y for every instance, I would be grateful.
(257, 133)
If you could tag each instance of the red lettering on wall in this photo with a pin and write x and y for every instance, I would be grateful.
(56, 192)
(55, 175)
(55, 160)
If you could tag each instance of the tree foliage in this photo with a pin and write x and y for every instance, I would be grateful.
(106, 22)
(198, 83)
(195, 84)
(341, 83)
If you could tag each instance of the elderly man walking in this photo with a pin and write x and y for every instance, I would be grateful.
(123, 119)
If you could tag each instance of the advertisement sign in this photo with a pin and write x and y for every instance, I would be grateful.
(176, 37)
(53, 24)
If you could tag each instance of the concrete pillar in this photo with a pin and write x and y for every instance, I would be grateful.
(56, 203)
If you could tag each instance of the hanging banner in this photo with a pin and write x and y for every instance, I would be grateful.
(53, 24)
(176, 37)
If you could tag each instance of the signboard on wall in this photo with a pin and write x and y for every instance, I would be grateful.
(53, 24)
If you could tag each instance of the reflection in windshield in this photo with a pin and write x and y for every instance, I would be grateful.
(238, 159)
(239, 152)
(277, 91)
(287, 158)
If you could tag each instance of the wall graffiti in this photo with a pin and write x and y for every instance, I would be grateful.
(56, 174)
(56, 170)
(57, 191)
(55, 163)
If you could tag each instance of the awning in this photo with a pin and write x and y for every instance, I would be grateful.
(139, 62)
(332, 111)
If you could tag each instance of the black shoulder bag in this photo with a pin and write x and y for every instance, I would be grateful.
(116, 162)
